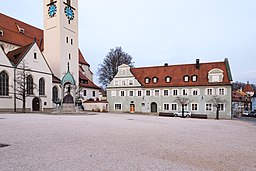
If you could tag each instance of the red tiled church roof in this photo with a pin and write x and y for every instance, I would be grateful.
(17, 55)
(90, 84)
(81, 59)
(12, 35)
(177, 73)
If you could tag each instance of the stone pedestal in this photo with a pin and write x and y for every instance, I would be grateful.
(68, 108)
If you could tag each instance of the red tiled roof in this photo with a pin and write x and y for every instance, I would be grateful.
(248, 88)
(12, 34)
(177, 73)
(16, 55)
(90, 84)
(81, 59)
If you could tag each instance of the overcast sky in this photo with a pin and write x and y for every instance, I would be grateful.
(162, 31)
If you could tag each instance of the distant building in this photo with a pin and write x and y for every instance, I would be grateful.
(155, 89)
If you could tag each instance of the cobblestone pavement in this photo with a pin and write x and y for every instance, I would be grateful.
(124, 142)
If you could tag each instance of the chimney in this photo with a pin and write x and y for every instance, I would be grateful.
(197, 63)
(165, 64)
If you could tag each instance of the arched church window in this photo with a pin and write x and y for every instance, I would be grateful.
(30, 83)
(41, 86)
(54, 94)
(4, 84)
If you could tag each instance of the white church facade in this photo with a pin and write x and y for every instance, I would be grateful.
(54, 65)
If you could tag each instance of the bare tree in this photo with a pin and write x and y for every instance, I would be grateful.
(182, 101)
(21, 88)
(109, 68)
(216, 101)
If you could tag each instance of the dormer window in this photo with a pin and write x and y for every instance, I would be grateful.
(186, 78)
(147, 80)
(194, 78)
(155, 80)
(215, 75)
(1, 33)
(168, 79)
(22, 30)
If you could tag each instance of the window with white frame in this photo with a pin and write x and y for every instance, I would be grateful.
(130, 82)
(185, 107)
(194, 78)
(186, 78)
(175, 92)
(157, 92)
(123, 82)
(116, 83)
(215, 75)
(147, 92)
(168, 79)
(208, 107)
(122, 93)
(113, 93)
(139, 93)
(185, 92)
(194, 107)
(195, 92)
(221, 107)
(209, 91)
(166, 92)
(166, 106)
(130, 93)
(155, 80)
(147, 80)
(174, 106)
(118, 106)
(221, 91)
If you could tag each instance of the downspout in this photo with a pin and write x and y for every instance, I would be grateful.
(15, 104)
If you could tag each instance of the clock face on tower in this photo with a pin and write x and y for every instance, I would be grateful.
(69, 13)
(52, 10)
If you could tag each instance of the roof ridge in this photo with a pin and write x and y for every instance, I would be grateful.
(160, 66)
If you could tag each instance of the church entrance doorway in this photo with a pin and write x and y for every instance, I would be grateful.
(36, 104)
(153, 107)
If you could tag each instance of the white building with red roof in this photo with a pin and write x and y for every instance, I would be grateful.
(155, 89)
(52, 56)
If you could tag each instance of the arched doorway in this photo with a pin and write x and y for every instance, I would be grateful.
(153, 107)
(36, 104)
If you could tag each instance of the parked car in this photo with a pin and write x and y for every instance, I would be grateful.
(252, 114)
(246, 113)
(186, 113)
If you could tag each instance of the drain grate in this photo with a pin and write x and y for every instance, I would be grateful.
(4, 145)
(130, 119)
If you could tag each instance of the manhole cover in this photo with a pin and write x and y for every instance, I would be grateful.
(4, 145)
(2, 118)
(130, 119)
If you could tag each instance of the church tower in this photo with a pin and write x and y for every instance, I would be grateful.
(61, 36)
